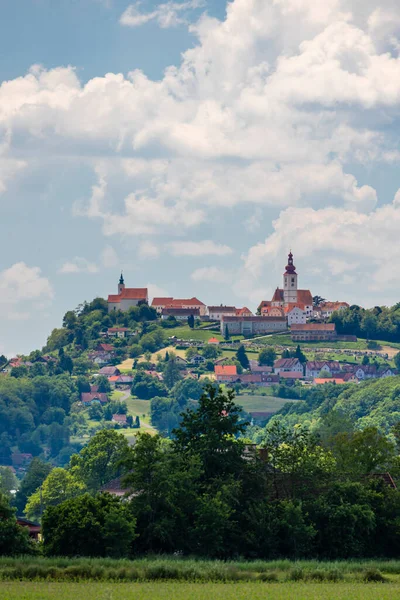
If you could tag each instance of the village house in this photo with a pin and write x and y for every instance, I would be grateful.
(288, 365)
(295, 314)
(314, 367)
(248, 326)
(103, 347)
(326, 309)
(123, 381)
(267, 310)
(100, 358)
(34, 529)
(191, 304)
(213, 341)
(290, 376)
(89, 398)
(197, 360)
(217, 312)
(109, 371)
(256, 368)
(313, 332)
(226, 373)
(120, 419)
(179, 360)
(127, 297)
(119, 332)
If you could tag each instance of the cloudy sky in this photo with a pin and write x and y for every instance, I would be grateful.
(192, 143)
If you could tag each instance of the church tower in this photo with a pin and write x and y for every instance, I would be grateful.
(121, 284)
(290, 282)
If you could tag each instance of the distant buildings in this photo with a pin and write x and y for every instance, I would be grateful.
(248, 326)
(314, 332)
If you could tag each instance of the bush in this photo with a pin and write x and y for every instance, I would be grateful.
(373, 575)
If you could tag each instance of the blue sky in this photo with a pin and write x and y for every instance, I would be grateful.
(192, 143)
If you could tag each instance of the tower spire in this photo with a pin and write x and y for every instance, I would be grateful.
(121, 279)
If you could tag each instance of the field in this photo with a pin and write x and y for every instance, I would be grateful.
(260, 403)
(197, 591)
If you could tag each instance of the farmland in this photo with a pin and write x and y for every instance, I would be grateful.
(197, 591)
(259, 403)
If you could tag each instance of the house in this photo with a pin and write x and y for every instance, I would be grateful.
(295, 313)
(288, 365)
(225, 373)
(100, 358)
(314, 367)
(181, 314)
(197, 359)
(214, 341)
(244, 312)
(123, 381)
(313, 332)
(328, 308)
(250, 378)
(216, 312)
(127, 297)
(89, 398)
(269, 379)
(120, 419)
(119, 332)
(109, 371)
(271, 311)
(192, 304)
(248, 326)
(34, 529)
(182, 362)
(104, 348)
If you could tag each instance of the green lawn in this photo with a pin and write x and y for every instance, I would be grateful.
(197, 591)
(260, 403)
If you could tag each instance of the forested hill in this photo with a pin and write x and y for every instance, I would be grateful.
(378, 323)
(374, 403)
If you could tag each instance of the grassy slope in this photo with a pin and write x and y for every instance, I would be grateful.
(197, 591)
(260, 403)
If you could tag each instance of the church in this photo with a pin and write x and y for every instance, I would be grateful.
(127, 297)
(289, 301)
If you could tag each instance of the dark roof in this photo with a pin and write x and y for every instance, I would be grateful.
(109, 371)
(181, 311)
(256, 319)
(314, 327)
(87, 397)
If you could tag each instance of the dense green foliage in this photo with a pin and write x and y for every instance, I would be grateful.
(14, 539)
(379, 323)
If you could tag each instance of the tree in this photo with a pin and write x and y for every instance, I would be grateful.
(397, 361)
(37, 472)
(100, 461)
(210, 351)
(191, 321)
(300, 355)
(137, 422)
(317, 300)
(8, 482)
(242, 357)
(226, 333)
(267, 356)
(103, 384)
(171, 372)
(191, 352)
(96, 412)
(14, 540)
(365, 360)
(89, 526)
(58, 486)
(187, 389)
(210, 432)
(146, 386)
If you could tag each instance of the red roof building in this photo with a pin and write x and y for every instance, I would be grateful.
(226, 373)
(127, 297)
(160, 304)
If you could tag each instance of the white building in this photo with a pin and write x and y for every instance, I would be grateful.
(217, 312)
(127, 297)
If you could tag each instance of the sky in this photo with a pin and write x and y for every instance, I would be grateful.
(192, 144)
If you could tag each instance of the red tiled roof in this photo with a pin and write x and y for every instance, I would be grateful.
(242, 311)
(106, 347)
(87, 397)
(278, 295)
(286, 363)
(119, 418)
(304, 297)
(314, 327)
(161, 301)
(334, 305)
(116, 329)
(177, 302)
(225, 370)
(289, 307)
(213, 340)
(113, 378)
(321, 380)
(129, 294)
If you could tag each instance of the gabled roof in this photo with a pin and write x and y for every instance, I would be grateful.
(322, 381)
(286, 363)
(177, 302)
(291, 375)
(105, 347)
(213, 340)
(109, 371)
(304, 297)
(87, 397)
(278, 295)
(225, 370)
(292, 305)
(129, 294)
(243, 311)
(161, 301)
(231, 309)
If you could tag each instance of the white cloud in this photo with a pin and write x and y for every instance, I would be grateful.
(202, 248)
(23, 290)
(156, 291)
(78, 265)
(213, 274)
(148, 249)
(109, 257)
(166, 15)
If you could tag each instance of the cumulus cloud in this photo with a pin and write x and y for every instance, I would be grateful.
(23, 289)
(203, 248)
(212, 274)
(166, 15)
(148, 249)
(109, 257)
(155, 291)
(78, 265)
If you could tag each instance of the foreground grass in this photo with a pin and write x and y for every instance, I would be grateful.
(193, 591)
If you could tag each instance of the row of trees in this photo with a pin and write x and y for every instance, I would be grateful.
(207, 492)
(379, 323)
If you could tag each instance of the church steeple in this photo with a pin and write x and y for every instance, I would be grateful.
(121, 284)
(290, 282)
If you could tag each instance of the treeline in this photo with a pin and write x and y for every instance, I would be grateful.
(209, 493)
(379, 323)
